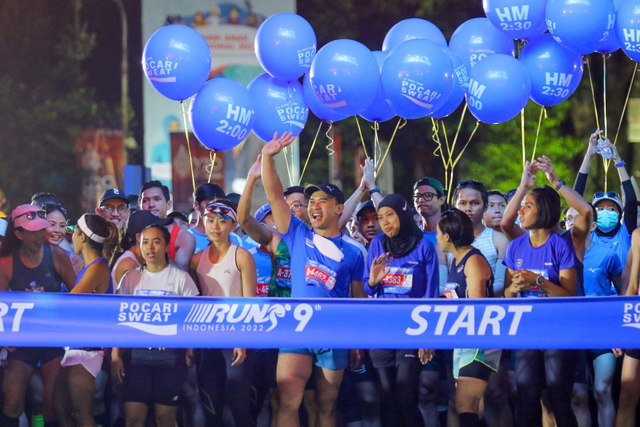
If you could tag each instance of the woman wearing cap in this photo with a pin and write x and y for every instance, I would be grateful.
(612, 231)
(224, 269)
(96, 239)
(541, 263)
(27, 263)
(470, 276)
(401, 263)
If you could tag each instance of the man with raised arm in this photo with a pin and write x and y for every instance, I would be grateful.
(324, 264)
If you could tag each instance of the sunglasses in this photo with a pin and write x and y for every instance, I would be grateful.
(51, 207)
(31, 215)
(611, 194)
(223, 211)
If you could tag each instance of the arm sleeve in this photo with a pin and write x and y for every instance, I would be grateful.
(614, 266)
(630, 207)
(498, 282)
(581, 183)
(566, 255)
(508, 258)
(444, 276)
(432, 271)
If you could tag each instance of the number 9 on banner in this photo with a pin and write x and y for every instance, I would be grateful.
(302, 313)
(222, 114)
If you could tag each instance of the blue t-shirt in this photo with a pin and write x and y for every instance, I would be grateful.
(415, 275)
(263, 265)
(548, 260)
(600, 264)
(203, 242)
(314, 275)
(619, 242)
(431, 236)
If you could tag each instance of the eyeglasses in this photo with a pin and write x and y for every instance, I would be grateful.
(31, 215)
(297, 207)
(223, 211)
(569, 219)
(51, 207)
(427, 197)
(110, 208)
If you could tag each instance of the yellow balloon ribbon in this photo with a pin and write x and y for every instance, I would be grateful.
(186, 132)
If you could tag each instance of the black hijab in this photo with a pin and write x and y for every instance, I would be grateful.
(409, 234)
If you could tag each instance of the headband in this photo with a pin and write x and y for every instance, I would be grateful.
(82, 224)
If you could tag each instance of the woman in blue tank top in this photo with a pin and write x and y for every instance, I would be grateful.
(96, 239)
(470, 276)
(27, 263)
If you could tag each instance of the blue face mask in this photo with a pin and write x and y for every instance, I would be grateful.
(607, 220)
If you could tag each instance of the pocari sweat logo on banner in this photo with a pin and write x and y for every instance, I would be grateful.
(154, 318)
(631, 316)
(417, 93)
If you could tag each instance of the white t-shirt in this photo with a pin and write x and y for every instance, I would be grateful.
(172, 281)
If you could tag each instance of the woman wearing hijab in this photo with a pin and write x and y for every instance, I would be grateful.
(401, 264)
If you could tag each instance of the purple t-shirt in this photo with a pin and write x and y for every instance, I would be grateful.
(548, 260)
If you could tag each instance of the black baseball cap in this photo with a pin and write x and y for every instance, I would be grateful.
(327, 188)
(139, 220)
(294, 189)
(431, 182)
(113, 194)
(365, 205)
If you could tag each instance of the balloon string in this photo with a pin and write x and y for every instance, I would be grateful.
(361, 138)
(390, 142)
(286, 161)
(329, 146)
(212, 157)
(186, 133)
(310, 151)
(436, 139)
(446, 138)
(524, 154)
(605, 162)
(377, 150)
(593, 95)
(453, 165)
(543, 112)
(455, 138)
(626, 101)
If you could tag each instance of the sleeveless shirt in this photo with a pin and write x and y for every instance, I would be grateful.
(84, 270)
(125, 255)
(43, 278)
(222, 279)
(456, 286)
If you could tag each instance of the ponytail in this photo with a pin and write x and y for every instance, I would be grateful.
(105, 229)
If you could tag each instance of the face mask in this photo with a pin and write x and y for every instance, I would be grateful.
(607, 220)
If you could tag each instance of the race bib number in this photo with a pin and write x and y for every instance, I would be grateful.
(153, 293)
(320, 275)
(450, 290)
(283, 276)
(399, 280)
(262, 290)
(535, 291)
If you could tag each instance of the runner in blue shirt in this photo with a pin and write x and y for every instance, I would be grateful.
(542, 263)
(324, 263)
(401, 263)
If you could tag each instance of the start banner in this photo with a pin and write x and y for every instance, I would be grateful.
(58, 320)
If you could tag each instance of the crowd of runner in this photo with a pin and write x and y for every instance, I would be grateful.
(311, 242)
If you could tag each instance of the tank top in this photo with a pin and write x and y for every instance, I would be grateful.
(484, 243)
(456, 286)
(172, 244)
(125, 255)
(84, 270)
(222, 279)
(43, 278)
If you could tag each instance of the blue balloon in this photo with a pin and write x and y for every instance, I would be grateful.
(628, 28)
(176, 61)
(279, 106)
(580, 26)
(555, 72)
(499, 89)
(417, 78)
(316, 107)
(460, 84)
(344, 76)
(409, 29)
(222, 114)
(611, 44)
(379, 110)
(518, 19)
(476, 39)
(285, 46)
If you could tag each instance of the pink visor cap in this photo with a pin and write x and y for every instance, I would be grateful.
(29, 217)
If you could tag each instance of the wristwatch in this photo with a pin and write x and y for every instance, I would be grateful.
(374, 190)
(560, 184)
(539, 281)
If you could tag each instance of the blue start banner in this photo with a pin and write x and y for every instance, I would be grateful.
(57, 320)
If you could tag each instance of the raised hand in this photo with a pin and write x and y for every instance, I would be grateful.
(276, 145)
(545, 165)
(379, 269)
(368, 174)
(593, 142)
(255, 172)
(607, 144)
(529, 175)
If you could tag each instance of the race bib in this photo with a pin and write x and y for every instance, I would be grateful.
(153, 293)
(283, 276)
(320, 275)
(399, 280)
(262, 290)
(534, 291)
(450, 290)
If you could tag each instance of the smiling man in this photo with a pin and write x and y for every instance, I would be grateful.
(114, 207)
